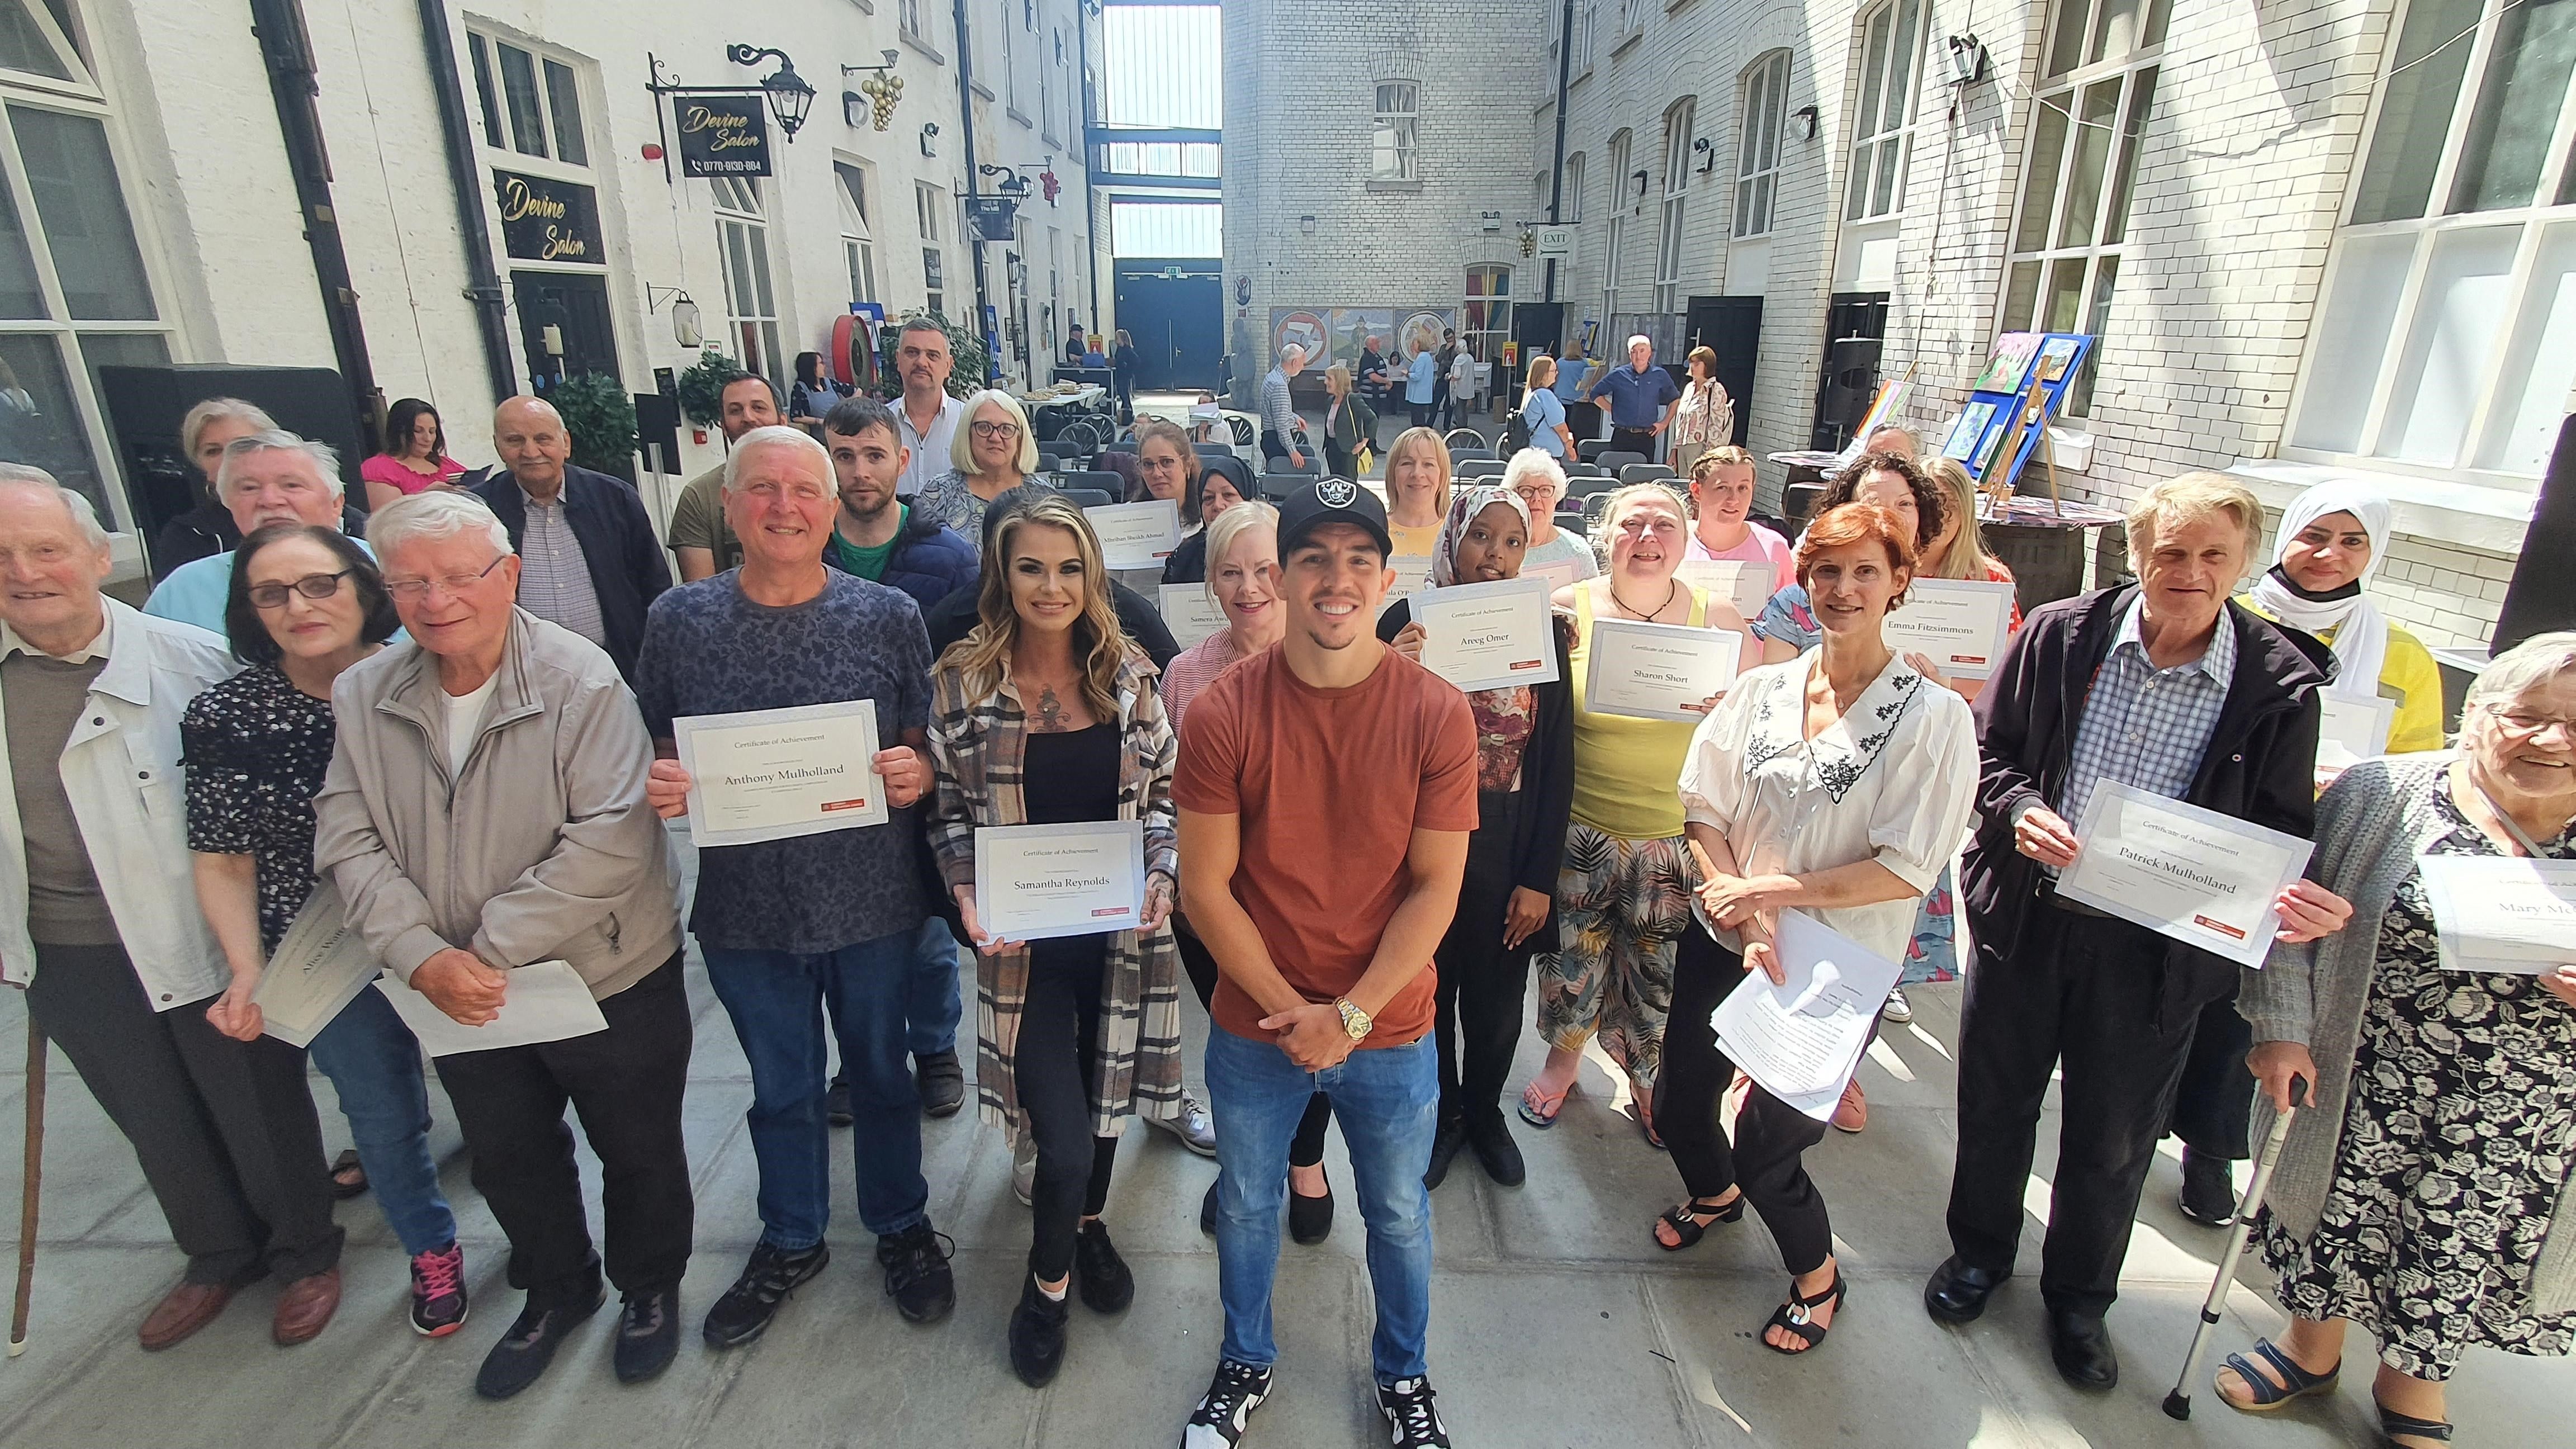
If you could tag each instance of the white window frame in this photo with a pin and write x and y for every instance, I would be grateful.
(1892, 41)
(1587, 23)
(751, 286)
(1394, 133)
(1573, 211)
(928, 202)
(1622, 147)
(2087, 124)
(1678, 119)
(2521, 372)
(858, 232)
(1762, 90)
(557, 77)
(1486, 341)
(909, 20)
(1632, 18)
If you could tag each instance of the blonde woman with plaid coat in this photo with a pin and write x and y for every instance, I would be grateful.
(1047, 714)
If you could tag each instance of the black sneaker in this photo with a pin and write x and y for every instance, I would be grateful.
(1107, 1286)
(836, 1102)
(941, 1082)
(1446, 1139)
(1207, 1212)
(1037, 1335)
(1226, 1409)
(743, 1313)
(648, 1334)
(1407, 1405)
(916, 1273)
(1490, 1138)
(529, 1345)
(2208, 1189)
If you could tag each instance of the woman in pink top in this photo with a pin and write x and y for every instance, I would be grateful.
(1243, 580)
(415, 456)
(1721, 489)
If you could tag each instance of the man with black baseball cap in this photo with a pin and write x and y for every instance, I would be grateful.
(1323, 928)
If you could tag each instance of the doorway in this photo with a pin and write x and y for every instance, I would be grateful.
(584, 337)
(1731, 327)
(1174, 309)
(1855, 332)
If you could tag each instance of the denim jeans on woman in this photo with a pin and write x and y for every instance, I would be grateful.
(373, 1062)
(1387, 1100)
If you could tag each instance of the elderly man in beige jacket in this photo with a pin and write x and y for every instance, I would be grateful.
(485, 811)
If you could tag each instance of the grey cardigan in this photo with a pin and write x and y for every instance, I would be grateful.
(2370, 827)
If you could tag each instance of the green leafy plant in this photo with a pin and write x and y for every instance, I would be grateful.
(600, 415)
(702, 387)
(964, 344)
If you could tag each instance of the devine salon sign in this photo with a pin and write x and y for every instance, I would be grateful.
(721, 135)
(548, 221)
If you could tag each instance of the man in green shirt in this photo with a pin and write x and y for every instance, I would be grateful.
(875, 534)
(701, 540)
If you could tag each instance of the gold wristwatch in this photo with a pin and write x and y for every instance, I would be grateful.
(1355, 1022)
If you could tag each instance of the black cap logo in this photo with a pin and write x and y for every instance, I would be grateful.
(1337, 492)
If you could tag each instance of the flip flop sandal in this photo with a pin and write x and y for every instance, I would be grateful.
(1539, 1109)
(1796, 1315)
(1646, 1124)
(1683, 1219)
(342, 1187)
(2295, 1382)
(2392, 1424)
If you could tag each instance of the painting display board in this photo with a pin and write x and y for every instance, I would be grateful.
(2022, 388)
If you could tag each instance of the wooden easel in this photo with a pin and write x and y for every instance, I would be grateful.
(2028, 410)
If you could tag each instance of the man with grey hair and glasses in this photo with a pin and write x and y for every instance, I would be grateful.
(485, 812)
(271, 476)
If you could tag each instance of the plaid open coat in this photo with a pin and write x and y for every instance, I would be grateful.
(977, 746)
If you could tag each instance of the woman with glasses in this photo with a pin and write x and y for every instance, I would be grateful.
(2424, 1192)
(304, 605)
(1538, 480)
(993, 453)
(1169, 467)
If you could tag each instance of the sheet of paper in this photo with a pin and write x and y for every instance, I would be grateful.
(1747, 586)
(319, 967)
(1488, 636)
(1959, 624)
(2507, 914)
(1036, 881)
(2202, 878)
(1800, 1041)
(1136, 535)
(1412, 574)
(1658, 671)
(769, 774)
(2350, 731)
(545, 1001)
(1189, 613)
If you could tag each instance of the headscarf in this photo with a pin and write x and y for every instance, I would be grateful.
(2360, 630)
(1469, 503)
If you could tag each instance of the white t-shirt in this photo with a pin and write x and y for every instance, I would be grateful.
(1462, 375)
(465, 720)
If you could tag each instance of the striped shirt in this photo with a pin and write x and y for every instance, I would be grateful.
(1276, 413)
(554, 576)
(2147, 727)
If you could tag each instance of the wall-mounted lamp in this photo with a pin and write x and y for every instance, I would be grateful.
(1639, 177)
(1706, 150)
(790, 98)
(1012, 182)
(1306, 224)
(1492, 221)
(930, 139)
(1806, 119)
(880, 90)
(1967, 60)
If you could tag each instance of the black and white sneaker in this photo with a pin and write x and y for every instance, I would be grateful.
(1223, 1413)
(1407, 1406)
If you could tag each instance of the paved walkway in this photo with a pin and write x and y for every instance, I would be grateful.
(1555, 1322)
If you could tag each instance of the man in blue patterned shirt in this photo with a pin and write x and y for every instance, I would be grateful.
(786, 923)
(2167, 687)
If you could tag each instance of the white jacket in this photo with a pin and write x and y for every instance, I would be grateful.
(121, 770)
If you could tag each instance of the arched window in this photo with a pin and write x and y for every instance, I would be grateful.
(1891, 64)
(1765, 91)
(1677, 157)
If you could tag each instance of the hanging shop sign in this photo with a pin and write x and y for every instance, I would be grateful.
(548, 221)
(996, 218)
(721, 135)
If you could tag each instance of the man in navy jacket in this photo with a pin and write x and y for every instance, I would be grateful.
(875, 535)
(589, 560)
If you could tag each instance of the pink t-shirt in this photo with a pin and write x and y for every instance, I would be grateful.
(383, 469)
(1760, 545)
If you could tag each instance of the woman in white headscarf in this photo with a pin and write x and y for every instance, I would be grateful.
(2331, 541)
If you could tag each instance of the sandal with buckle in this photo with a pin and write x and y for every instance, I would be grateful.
(2393, 1423)
(1798, 1316)
(1539, 1109)
(2267, 1395)
(1684, 1220)
(348, 1175)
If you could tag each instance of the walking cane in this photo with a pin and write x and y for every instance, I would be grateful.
(35, 1174)
(2178, 1403)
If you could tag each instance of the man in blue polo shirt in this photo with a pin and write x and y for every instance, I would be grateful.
(1641, 399)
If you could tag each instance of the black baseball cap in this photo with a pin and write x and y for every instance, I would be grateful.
(1332, 500)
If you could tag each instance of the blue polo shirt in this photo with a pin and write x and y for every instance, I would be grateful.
(195, 591)
(1637, 399)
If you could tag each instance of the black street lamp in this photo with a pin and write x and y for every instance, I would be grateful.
(790, 97)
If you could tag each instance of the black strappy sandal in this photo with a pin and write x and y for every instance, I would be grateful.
(1683, 1219)
(2295, 1382)
(2393, 1423)
(348, 1175)
(1797, 1316)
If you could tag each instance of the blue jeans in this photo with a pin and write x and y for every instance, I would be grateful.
(373, 1062)
(775, 999)
(1388, 1102)
(934, 1009)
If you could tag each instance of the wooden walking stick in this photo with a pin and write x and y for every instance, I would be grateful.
(34, 1183)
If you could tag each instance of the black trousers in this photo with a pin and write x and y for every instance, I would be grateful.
(1634, 440)
(1307, 1147)
(225, 1130)
(1481, 985)
(1337, 461)
(626, 1083)
(2080, 994)
(2213, 1110)
(1274, 445)
(1059, 1037)
(1422, 412)
(1767, 1157)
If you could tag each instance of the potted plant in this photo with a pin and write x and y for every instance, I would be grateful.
(600, 416)
(965, 376)
(702, 387)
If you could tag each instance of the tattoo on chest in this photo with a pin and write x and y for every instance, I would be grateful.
(1050, 716)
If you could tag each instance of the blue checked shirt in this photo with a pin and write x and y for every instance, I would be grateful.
(2147, 727)
(1276, 413)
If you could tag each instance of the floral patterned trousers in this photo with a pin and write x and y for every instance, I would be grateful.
(1621, 907)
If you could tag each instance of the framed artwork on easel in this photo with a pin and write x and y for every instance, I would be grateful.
(2005, 419)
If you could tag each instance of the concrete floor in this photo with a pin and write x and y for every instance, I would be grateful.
(1556, 1323)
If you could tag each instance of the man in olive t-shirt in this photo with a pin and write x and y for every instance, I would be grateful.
(1326, 790)
(701, 540)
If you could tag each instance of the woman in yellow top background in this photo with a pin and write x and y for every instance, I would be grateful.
(2331, 541)
(1417, 490)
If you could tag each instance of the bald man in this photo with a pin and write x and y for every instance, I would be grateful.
(590, 562)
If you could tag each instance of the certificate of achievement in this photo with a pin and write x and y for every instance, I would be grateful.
(2506, 914)
(1558, 575)
(2202, 878)
(1188, 612)
(545, 1001)
(1745, 585)
(768, 774)
(1136, 535)
(319, 967)
(1959, 624)
(1657, 671)
(1036, 881)
(2350, 731)
(1802, 1039)
(1488, 636)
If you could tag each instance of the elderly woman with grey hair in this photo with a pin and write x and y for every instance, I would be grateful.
(2420, 1191)
(994, 451)
(207, 528)
(1538, 480)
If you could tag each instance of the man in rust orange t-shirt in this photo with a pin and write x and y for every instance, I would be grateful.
(1326, 791)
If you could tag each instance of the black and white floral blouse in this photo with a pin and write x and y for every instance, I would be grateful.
(256, 747)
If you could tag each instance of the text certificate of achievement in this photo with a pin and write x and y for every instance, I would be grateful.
(1658, 671)
(319, 967)
(1745, 585)
(1958, 624)
(2202, 878)
(2350, 731)
(1188, 612)
(1558, 575)
(2511, 915)
(769, 774)
(1036, 881)
(1136, 535)
(1488, 636)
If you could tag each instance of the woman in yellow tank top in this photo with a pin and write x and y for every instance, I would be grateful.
(1623, 896)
